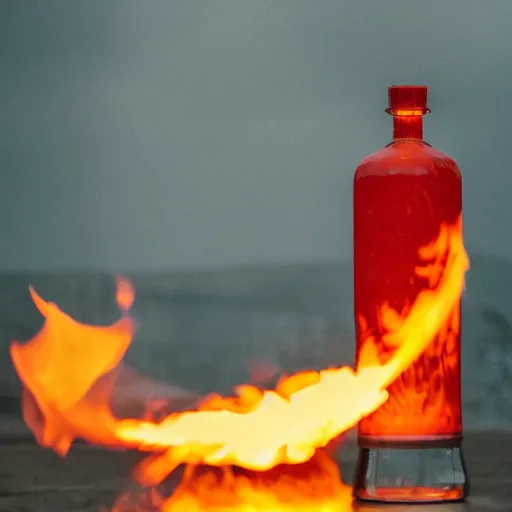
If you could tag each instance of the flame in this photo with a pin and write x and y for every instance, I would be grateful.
(69, 371)
(418, 390)
(282, 489)
(66, 371)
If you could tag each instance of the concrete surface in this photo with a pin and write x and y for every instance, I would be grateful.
(36, 480)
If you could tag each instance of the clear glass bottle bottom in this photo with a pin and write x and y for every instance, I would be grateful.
(411, 472)
(368, 506)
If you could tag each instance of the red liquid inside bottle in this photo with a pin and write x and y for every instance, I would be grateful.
(403, 194)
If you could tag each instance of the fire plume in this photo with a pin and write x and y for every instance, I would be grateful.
(66, 371)
(69, 372)
(314, 486)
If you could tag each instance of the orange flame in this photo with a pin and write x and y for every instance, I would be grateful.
(313, 486)
(69, 370)
(66, 372)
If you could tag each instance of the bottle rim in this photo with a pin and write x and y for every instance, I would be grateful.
(407, 100)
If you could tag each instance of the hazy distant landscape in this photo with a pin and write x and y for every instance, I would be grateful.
(201, 329)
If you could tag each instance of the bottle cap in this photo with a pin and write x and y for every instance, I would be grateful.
(407, 100)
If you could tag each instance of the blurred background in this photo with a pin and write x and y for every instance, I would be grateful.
(206, 150)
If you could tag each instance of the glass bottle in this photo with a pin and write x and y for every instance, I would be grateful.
(410, 448)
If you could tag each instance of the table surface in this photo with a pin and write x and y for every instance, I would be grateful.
(34, 479)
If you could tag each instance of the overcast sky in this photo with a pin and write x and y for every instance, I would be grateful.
(200, 133)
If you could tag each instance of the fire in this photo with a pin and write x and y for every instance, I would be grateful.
(418, 390)
(67, 371)
(313, 486)
(278, 436)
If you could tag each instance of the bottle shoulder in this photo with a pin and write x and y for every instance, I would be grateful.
(411, 157)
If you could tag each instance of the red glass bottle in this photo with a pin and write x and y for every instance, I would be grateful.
(403, 193)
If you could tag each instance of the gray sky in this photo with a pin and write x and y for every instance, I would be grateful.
(211, 133)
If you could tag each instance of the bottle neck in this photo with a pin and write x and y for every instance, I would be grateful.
(407, 127)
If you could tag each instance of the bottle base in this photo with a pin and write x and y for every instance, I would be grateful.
(411, 472)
